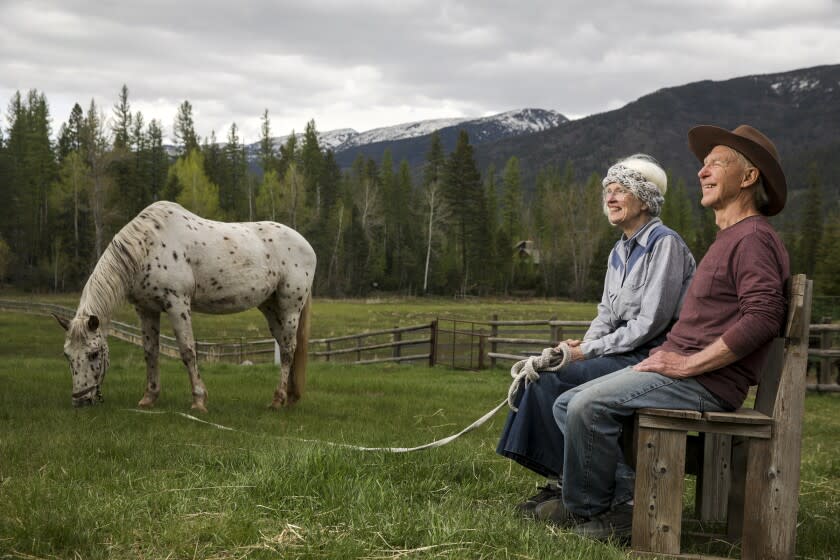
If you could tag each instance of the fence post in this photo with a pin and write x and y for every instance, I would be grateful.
(329, 349)
(396, 351)
(481, 351)
(494, 332)
(358, 348)
(824, 376)
(433, 336)
(555, 331)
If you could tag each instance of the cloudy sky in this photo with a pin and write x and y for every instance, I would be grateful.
(363, 64)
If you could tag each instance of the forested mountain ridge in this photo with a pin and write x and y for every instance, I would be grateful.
(799, 110)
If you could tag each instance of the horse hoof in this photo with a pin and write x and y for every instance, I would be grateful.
(147, 402)
(199, 407)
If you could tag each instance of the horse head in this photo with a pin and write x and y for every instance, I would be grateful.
(86, 348)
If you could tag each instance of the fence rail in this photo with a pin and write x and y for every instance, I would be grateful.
(459, 344)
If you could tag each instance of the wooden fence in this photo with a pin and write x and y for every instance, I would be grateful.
(456, 343)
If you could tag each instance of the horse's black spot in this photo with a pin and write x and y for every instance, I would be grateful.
(267, 256)
(164, 267)
(183, 316)
(174, 255)
(153, 385)
(227, 238)
(284, 263)
(162, 244)
(231, 252)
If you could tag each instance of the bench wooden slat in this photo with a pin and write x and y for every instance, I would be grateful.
(740, 416)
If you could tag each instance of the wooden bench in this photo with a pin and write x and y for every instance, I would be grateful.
(748, 461)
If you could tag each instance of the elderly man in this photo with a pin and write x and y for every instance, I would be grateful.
(733, 308)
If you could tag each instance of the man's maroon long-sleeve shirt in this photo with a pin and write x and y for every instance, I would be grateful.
(738, 293)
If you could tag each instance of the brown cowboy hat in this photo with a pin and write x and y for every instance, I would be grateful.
(756, 147)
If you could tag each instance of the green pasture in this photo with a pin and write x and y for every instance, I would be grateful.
(109, 482)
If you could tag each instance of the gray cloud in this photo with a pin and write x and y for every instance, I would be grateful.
(370, 63)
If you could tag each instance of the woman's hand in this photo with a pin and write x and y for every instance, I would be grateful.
(574, 347)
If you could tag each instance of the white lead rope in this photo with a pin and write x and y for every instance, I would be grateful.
(436, 443)
(551, 359)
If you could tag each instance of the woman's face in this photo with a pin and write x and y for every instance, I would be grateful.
(623, 209)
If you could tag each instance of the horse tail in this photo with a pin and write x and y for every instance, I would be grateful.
(297, 380)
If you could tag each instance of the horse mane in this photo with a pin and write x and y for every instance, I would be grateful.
(118, 266)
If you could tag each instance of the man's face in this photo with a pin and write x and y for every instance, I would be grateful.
(721, 178)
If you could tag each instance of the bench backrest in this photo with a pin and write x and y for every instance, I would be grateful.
(795, 333)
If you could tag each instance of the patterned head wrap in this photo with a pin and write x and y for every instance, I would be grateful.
(643, 177)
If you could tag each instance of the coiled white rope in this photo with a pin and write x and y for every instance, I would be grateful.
(551, 359)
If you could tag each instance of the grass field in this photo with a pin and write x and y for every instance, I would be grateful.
(108, 482)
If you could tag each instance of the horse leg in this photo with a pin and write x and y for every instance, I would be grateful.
(179, 314)
(284, 330)
(150, 323)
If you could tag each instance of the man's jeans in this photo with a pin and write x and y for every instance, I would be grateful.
(590, 416)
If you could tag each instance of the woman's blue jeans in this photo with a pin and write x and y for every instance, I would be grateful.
(591, 416)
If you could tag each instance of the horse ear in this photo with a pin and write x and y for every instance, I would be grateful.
(93, 323)
(61, 321)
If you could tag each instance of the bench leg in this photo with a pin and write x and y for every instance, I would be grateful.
(660, 470)
(714, 481)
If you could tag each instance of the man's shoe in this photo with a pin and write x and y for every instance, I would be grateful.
(547, 492)
(554, 511)
(615, 524)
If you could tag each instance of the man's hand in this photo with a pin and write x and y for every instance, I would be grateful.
(669, 364)
(673, 365)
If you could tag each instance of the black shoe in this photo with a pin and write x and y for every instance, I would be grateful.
(554, 511)
(614, 524)
(547, 492)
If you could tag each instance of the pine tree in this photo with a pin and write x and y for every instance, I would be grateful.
(69, 132)
(465, 194)
(121, 127)
(512, 203)
(312, 164)
(233, 195)
(268, 159)
(158, 161)
(184, 129)
(811, 225)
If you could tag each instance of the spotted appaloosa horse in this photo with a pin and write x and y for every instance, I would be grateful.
(170, 260)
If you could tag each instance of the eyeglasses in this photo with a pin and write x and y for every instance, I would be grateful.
(618, 192)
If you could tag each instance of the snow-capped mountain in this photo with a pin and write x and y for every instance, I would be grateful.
(484, 129)
(511, 123)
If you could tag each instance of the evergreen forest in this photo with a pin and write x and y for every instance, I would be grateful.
(446, 228)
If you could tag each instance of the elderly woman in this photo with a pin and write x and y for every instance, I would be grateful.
(648, 272)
